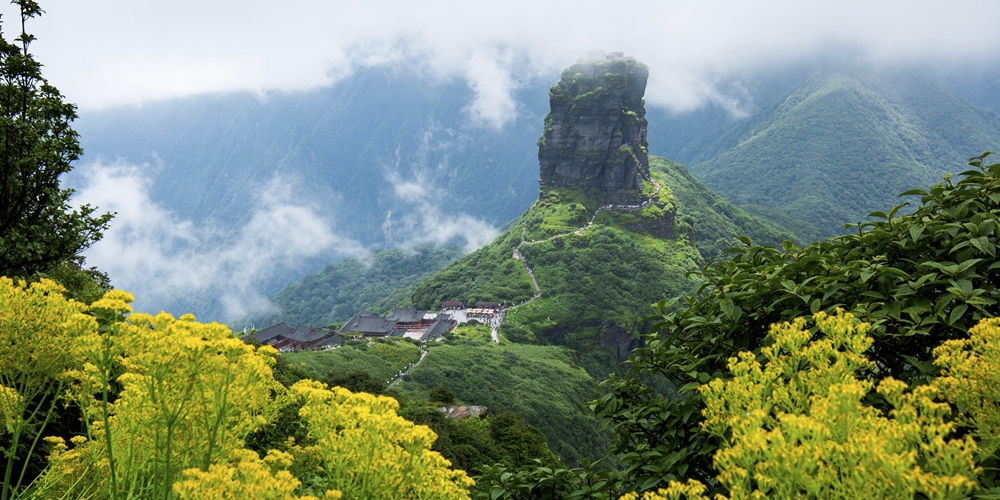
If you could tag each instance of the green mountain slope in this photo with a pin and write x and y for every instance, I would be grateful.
(542, 383)
(844, 143)
(596, 283)
(375, 282)
(599, 282)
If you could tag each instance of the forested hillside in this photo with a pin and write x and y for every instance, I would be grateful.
(351, 152)
(844, 143)
(376, 283)
(386, 158)
(541, 383)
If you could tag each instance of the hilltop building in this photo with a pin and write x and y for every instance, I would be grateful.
(405, 322)
(460, 412)
(285, 338)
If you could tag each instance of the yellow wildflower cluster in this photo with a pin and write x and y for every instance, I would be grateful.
(246, 476)
(35, 366)
(797, 427)
(169, 402)
(368, 450)
(677, 491)
(189, 393)
(971, 380)
(10, 402)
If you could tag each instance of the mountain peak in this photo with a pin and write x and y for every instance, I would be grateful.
(595, 132)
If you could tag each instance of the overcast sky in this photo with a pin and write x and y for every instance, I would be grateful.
(104, 53)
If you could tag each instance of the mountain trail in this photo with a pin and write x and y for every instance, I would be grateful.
(519, 256)
(423, 352)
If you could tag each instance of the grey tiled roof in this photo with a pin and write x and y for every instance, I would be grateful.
(333, 339)
(366, 324)
(262, 336)
(406, 315)
(436, 330)
(306, 334)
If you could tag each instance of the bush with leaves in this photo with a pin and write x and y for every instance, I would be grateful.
(919, 279)
(540, 481)
(796, 424)
(38, 227)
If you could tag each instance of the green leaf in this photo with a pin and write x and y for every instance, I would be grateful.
(728, 308)
(925, 367)
(983, 244)
(956, 313)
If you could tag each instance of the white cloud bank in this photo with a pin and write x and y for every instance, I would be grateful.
(166, 261)
(162, 259)
(427, 221)
(104, 53)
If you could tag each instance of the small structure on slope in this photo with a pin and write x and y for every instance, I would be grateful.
(285, 338)
(460, 412)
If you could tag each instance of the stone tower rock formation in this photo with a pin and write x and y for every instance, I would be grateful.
(595, 133)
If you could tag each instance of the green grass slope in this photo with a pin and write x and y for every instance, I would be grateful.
(846, 143)
(376, 283)
(382, 360)
(541, 383)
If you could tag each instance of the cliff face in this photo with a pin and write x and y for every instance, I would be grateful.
(595, 133)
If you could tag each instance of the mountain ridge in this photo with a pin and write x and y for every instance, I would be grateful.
(845, 141)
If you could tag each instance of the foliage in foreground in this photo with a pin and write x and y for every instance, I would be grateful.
(919, 279)
(38, 227)
(168, 404)
(799, 424)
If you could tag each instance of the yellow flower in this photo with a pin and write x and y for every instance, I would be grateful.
(797, 426)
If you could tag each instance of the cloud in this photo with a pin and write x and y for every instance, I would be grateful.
(426, 222)
(165, 261)
(104, 53)
(418, 216)
(490, 77)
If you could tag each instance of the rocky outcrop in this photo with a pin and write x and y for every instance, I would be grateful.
(595, 133)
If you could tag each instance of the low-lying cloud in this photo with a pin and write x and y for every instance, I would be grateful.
(172, 263)
(426, 221)
(165, 260)
(118, 52)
